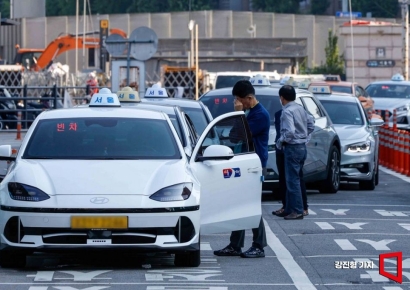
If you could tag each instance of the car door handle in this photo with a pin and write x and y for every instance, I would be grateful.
(254, 170)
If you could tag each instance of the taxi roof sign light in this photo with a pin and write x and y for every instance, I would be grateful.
(304, 84)
(321, 89)
(156, 92)
(127, 94)
(104, 98)
(397, 77)
(259, 80)
(292, 82)
(333, 78)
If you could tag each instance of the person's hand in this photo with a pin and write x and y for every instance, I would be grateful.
(237, 105)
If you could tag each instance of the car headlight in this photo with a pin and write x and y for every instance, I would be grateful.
(359, 147)
(406, 107)
(175, 192)
(24, 192)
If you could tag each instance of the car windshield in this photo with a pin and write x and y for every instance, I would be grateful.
(228, 81)
(102, 138)
(219, 105)
(341, 89)
(197, 117)
(343, 113)
(389, 91)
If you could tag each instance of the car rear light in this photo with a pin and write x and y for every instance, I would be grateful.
(24, 192)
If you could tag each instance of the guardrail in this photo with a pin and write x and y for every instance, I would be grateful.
(394, 148)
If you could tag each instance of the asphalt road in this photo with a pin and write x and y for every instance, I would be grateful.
(351, 226)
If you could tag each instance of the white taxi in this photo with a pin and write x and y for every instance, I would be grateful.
(106, 176)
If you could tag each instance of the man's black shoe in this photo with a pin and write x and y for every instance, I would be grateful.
(282, 214)
(228, 251)
(253, 253)
(294, 216)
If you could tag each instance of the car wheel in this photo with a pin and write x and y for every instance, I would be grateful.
(12, 259)
(332, 182)
(368, 184)
(377, 174)
(189, 259)
(2, 127)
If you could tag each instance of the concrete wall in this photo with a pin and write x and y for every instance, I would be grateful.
(366, 41)
(38, 32)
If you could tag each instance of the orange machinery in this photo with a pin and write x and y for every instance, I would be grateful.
(39, 58)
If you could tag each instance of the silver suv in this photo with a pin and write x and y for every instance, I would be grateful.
(322, 166)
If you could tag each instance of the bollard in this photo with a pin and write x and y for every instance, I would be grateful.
(406, 158)
(395, 165)
(387, 151)
(400, 161)
(381, 145)
(18, 137)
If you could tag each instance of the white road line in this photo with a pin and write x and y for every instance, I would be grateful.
(324, 226)
(345, 245)
(311, 212)
(395, 174)
(357, 233)
(405, 226)
(295, 272)
(205, 246)
(347, 204)
(359, 218)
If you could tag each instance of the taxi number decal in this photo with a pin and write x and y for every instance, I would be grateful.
(229, 172)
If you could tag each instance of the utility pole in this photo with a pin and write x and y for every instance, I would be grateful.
(405, 37)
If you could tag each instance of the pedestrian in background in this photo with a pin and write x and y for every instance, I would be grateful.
(296, 126)
(280, 164)
(259, 123)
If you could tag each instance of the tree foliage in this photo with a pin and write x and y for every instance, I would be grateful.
(319, 7)
(278, 6)
(379, 8)
(334, 61)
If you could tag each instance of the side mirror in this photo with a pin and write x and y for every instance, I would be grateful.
(6, 153)
(376, 122)
(216, 152)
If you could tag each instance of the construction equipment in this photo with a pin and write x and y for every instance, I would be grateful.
(37, 59)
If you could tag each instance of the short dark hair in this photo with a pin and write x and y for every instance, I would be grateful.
(288, 93)
(243, 88)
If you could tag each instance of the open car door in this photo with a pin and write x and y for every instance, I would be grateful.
(229, 171)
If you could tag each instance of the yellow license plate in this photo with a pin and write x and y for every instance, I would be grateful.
(99, 222)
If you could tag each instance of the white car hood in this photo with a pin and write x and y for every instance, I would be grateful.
(350, 132)
(77, 177)
(389, 104)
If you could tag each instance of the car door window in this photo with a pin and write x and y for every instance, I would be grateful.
(232, 132)
(312, 108)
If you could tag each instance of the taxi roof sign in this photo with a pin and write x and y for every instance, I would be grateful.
(127, 94)
(259, 80)
(156, 92)
(304, 84)
(397, 77)
(104, 98)
(320, 89)
(291, 82)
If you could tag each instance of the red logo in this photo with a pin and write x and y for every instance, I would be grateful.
(399, 256)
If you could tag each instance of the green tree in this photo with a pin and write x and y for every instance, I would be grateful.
(379, 8)
(319, 7)
(334, 61)
(5, 8)
(278, 6)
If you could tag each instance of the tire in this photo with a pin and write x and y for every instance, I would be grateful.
(332, 182)
(12, 259)
(368, 184)
(377, 174)
(188, 259)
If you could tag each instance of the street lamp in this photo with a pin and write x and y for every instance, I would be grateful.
(191, 29)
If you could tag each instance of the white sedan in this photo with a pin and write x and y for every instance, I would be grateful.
(107, 176)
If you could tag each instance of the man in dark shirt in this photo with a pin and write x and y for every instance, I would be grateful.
(259, 124)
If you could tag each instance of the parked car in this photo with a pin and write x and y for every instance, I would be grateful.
(111, 177)
(8, 114)
(391, 95)
(322, 165)
(359, 139)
